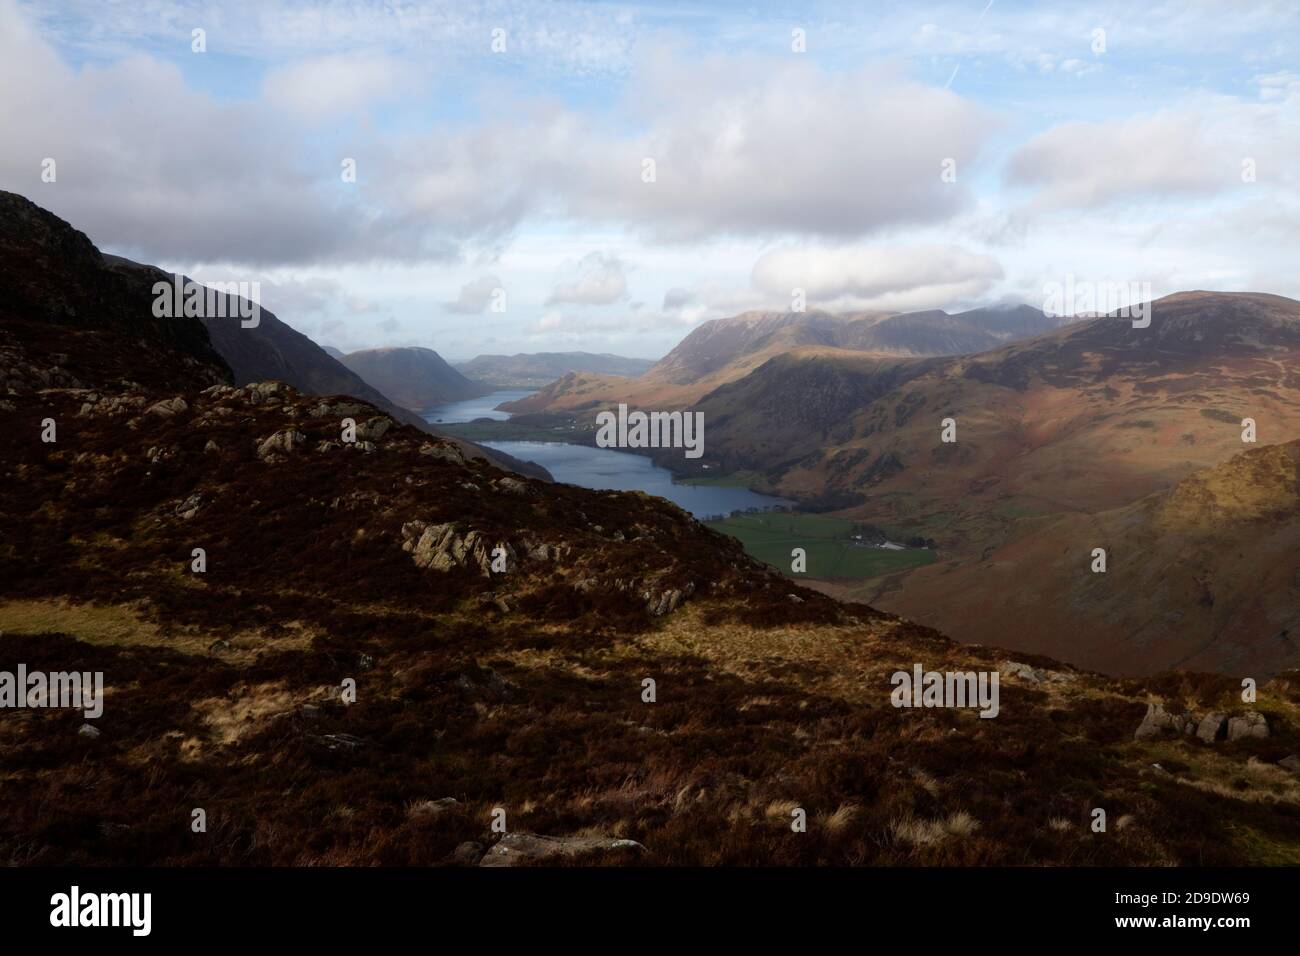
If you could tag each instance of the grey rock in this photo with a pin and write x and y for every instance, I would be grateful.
(514, 848)
(1251, 724)
(89, 731)
(1212, 727)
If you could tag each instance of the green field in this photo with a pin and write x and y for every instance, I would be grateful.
(771, 537)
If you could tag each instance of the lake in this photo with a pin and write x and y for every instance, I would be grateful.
(606, 469)
(473, 408)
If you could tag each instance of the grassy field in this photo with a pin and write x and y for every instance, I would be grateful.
(771, 537)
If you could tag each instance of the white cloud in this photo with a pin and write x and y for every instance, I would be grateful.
(474, 296)
(600, 281)
(740, 147)
(876, 277)
(330, 85)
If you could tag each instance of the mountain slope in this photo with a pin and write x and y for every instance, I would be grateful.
(1094, 415)
(1205, 575)
(537, 369)
(274, 351)
(415, 378)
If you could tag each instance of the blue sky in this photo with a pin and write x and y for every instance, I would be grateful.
(1106, 141)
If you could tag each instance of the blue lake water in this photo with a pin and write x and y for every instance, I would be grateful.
(473, 408)
(607, 469)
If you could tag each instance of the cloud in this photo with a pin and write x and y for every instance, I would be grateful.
(327, 86)
(876, 277)
(600, 281)
(740, 146)
(474, 296)
(1090, 164)
(1195, 147)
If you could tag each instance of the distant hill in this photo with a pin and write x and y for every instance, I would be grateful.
(533, 370)
(726, 350)
(415, 378)
(332, 352)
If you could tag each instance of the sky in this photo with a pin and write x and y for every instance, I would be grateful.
(527, 177)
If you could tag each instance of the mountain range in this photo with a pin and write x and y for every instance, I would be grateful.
(537, 369)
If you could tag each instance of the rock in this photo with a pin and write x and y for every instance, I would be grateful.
(1252, 724)
(443, 453)
(339, 742)
(1291, 763)
(373, 429)
(365, 446)
(211, 447)
(468, 854)
(189, 507)
(1158, 722)
(513, 486)
(283, 441)
(88, 731)
(443, 547)
(167, 408)
(218, 647)
(431, 808)
(514, 848)
(667, 601)
(1022, 671)
(1212, 727)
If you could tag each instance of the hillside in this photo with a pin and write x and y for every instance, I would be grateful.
(273, 351)
(1089, 417)
(416, 378)
(350, 678)
(1205, 576)
(537, 369)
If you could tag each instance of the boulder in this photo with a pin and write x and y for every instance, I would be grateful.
(1251, 724)
(1212, 727)
(515, 848)
(282, 442)
(443, 453)
(89, 731)
(167, 408)
(1157, 722)
(373, 429)
(1291, 763)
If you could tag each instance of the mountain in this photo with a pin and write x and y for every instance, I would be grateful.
(725, 350)
(1091, 416)
(272, 350)
(314, 642)
(541, 368)
(332, 352)
(416, 378)
(1203, 576)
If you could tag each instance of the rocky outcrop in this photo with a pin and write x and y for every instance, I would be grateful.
(1210, 728)
(442, 547)
(282, 442)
